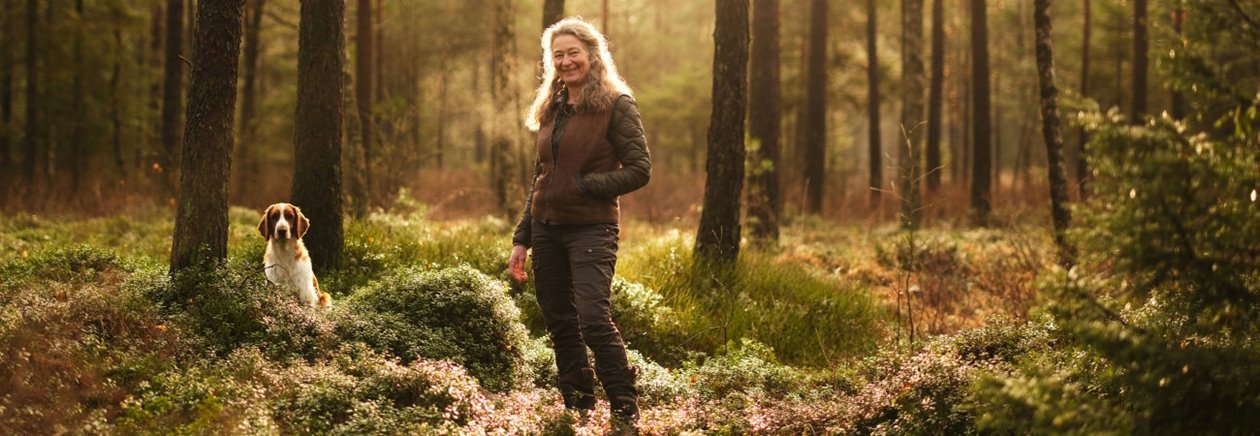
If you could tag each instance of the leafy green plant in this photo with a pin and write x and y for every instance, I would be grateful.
(457, 314)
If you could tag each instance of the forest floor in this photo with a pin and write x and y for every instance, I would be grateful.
(825, 333)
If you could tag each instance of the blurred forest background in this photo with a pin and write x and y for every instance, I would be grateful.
(961, 216)
(87, 132)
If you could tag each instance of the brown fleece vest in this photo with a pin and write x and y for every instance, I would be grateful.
(583, 149)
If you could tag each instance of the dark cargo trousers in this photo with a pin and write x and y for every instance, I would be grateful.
(573, 270)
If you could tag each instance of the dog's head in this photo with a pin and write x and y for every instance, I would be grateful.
(283, 221)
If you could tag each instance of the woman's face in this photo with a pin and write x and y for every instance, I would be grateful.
(572, 61)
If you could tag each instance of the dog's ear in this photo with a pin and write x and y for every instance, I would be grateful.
(303, 224)
(264, 226)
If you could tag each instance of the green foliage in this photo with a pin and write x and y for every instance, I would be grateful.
(226, 308)
(805, 318)
(747, 368)
(361, 392)
(1160, 319)
(457, 313)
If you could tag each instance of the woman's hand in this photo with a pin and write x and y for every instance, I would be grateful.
(516, 263)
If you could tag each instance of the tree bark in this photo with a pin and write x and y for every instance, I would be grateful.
(363, 88)
(502, 70)
(1140, 52)
(1082, 168)
(6, 88)
(201, 221)
(172, 91)
(875, 145)
(816, 108)
(717, 239)
(115, 113)
(246, 160)
(935, 97)
(1050, 127)
(764, 113)
(909, 166)
(32, 93)
(553, 11)
(317, 139)
(76, 125)
(981, 129)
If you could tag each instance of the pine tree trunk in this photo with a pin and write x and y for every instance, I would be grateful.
(6, 88)
(1140, 52)
(1052, 131)
(875, 144)
(115, 104)
(501, 94)
(363, 78)
(246, 160)
(1178, 100)
(816, 108)
(201, 221)
(935, 97)
(317, 142)
(155, 60)
(76, 125)
(553, 11)
(981, 129)
(909, 166)
(764, 113)
(717, 239)
(1082, 168)
(172, 94)
(32, 94)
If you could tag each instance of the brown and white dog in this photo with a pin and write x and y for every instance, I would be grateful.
(287, 262)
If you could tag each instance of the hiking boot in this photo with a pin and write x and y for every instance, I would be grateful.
(578, 390)
(625, 418)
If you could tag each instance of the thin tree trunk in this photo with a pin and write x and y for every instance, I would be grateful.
(76, 125)
(6, 88)
(317, 175)
(115, 113)
(1178, 100)
(501, 94)
(1140, 51)
(604, 28)
(201, 221)
(553, 11)
(909, 166)
(875, 144)
(717, 239)
(1082, 168)
(32, 93)
(363, 91)
(1052, 131)
(154, 59)
(245, 152)
(816, 108)
(764, 113)
(440, 152)
(172, 91)
(935, 96)
(981, 129)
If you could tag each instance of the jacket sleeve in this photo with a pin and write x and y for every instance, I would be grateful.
(625, 132)
(522, 234)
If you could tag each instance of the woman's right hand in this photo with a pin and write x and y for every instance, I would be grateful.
(516, 263)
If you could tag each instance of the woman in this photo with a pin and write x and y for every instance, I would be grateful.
(591, 149)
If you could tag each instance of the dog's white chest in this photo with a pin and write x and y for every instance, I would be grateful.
(287, 265)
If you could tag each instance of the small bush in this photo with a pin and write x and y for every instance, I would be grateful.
(747, 367)
(458, 314)
(226, 308)
(361, 391)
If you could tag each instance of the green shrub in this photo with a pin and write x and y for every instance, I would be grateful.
(226, 308)
(360, 391)
(202, 398)
(458, 314)
(747, 367)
